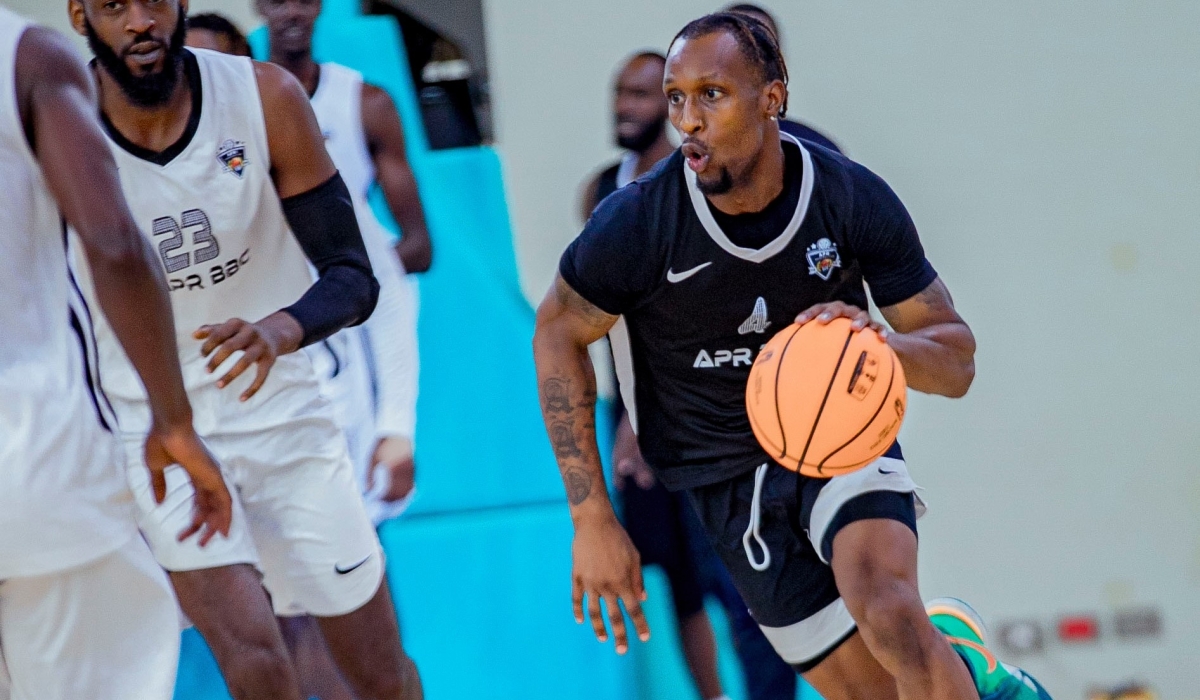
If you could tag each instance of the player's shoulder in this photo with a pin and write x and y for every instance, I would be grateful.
(377, 102)
(841, 178)
(277, 87)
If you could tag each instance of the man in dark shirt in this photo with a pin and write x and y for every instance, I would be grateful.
(640, 127)
(700, 257)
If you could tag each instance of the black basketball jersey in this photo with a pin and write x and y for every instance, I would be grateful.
(606, 182)
(697, 307)
(805, 132)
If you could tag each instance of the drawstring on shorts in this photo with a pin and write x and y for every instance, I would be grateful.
(760, 475)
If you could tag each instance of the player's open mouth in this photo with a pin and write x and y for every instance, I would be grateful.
(146, 53)
(697, 158)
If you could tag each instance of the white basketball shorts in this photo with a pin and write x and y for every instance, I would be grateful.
(298, 516)
(105, 630)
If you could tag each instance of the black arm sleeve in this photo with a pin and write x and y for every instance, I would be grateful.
(885, 241)
(345, 293)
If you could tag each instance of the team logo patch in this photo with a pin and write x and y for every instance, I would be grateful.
(823, 258)
(232, 155)
(757, 323)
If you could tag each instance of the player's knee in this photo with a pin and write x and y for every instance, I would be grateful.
(259, 671)
(399, 683)
(888, 608)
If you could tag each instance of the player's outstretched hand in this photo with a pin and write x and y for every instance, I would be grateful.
(859, 318)
(213, 507)
(395, 456)
(607, 566)
(261, 343)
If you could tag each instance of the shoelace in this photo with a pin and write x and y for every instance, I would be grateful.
(760, 475)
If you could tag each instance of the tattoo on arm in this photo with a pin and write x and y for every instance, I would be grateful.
(579, 486)
(556, 396)
(565, 420)
(929, 307)
(562, 438)
(935, 296)
(591, 313)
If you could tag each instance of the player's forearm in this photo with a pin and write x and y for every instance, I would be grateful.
(132, 292)
(392, 333)
(938, 359)
(415, 246)
(567, 388)
(345, 294)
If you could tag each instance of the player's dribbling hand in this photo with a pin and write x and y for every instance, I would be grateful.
(394, 454)
(212, 505)
(859, 318)
(261, 343)
(606, 565)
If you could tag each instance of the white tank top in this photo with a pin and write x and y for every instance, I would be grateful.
(390, 335)
(63, 496)
(214, 216)
(338, 105)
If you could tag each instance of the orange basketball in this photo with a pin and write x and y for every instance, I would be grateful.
(825, 400)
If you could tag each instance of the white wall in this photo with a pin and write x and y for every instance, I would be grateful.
(1049, 154)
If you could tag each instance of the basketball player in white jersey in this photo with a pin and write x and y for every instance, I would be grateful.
(239, 205)
(84, 609)
(365, 139)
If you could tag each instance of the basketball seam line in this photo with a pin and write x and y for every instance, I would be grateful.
(765, 442)
(812, 433)
(891, 381)
(779, 371)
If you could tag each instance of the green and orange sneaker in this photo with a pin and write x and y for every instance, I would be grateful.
(965, 631)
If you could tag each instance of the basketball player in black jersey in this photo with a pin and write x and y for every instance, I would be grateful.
(740, 231)
(659, 523)
(662, 524)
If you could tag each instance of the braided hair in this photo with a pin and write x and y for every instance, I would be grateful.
(755, 40)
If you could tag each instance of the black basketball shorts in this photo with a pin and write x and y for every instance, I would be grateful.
(782, 567)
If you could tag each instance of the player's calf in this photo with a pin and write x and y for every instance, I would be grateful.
(366, 646)
(874, 563)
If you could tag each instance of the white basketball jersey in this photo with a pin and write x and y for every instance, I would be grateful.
(212, 212)
(63, 496)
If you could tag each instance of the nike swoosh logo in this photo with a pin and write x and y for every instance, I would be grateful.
(881, 471)
(676, 277)
(343, 572)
